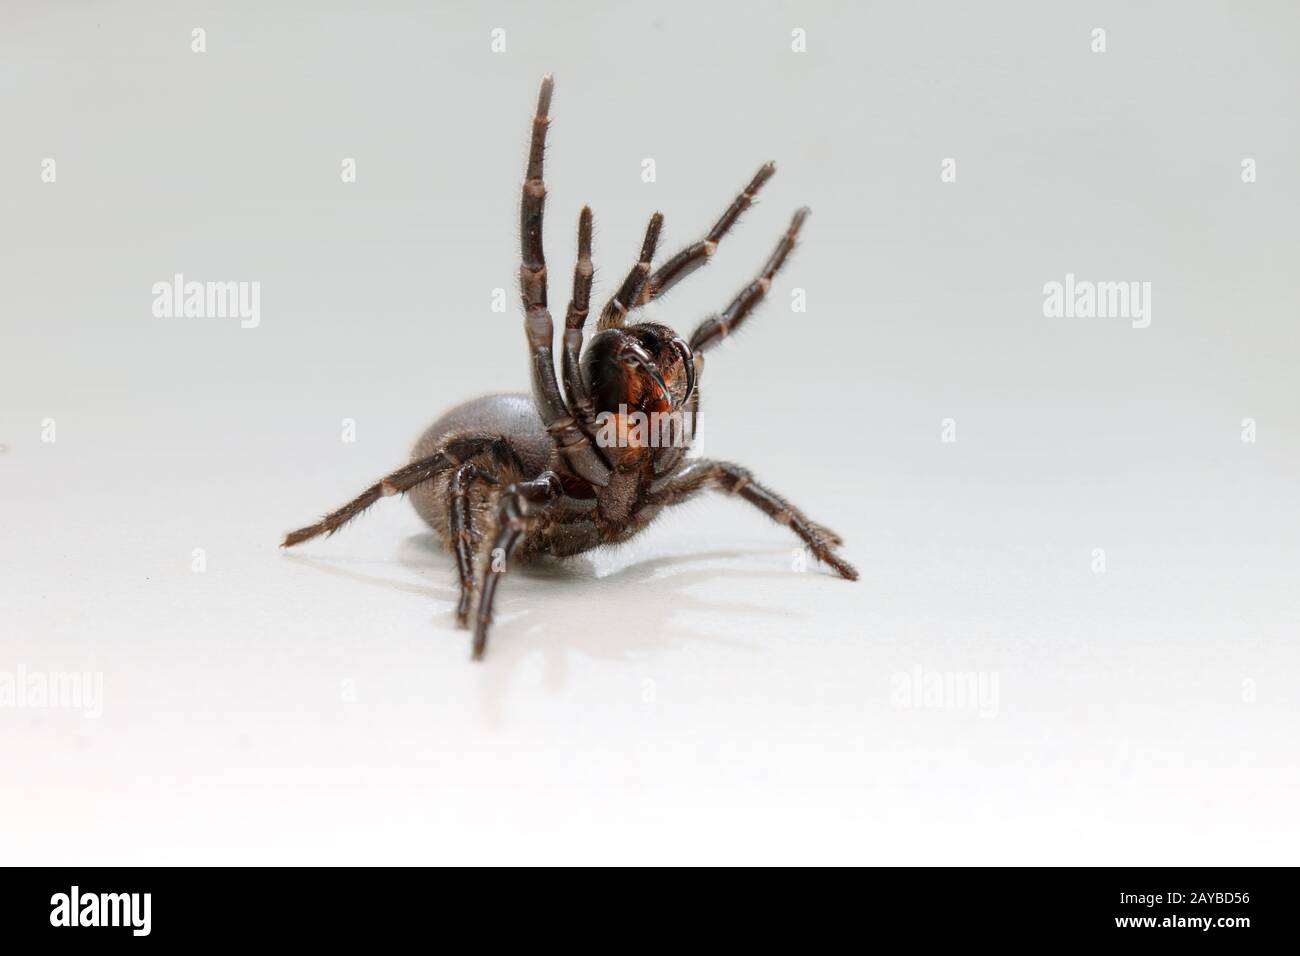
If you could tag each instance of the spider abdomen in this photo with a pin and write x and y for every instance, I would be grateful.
(508, 417)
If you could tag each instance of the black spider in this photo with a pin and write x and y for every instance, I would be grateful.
(562, 474)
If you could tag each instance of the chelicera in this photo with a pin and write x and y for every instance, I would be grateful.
(509, 477)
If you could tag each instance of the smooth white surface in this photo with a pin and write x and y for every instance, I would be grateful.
(689, 697)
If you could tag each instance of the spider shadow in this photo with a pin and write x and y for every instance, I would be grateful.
(659, 588)
(527, 623)
(335, 565)
(518, 593)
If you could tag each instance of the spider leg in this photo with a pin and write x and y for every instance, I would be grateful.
(713, 329)
(461, 530)
(616, 309)
(735, 480)
(573, 442)
(519, 502)
(698, 253)
(575, 387)
(400, 481)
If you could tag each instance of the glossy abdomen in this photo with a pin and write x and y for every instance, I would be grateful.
(512, 416)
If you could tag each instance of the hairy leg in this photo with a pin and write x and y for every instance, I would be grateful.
(615, 311)
(518, 504)
(402, 480)
(575, 387)
(715, 328)
(574, 443)
(735, 480)
(461, 530)
(697, 253)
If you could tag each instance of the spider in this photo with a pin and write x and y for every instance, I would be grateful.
(563, 473)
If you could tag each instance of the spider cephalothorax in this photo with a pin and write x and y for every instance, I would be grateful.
(508, 477)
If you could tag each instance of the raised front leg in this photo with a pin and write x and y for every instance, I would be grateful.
(575, 319)
(615, 311)
(735, 480)
(574, 443)
(697, 253)
(715, 328)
